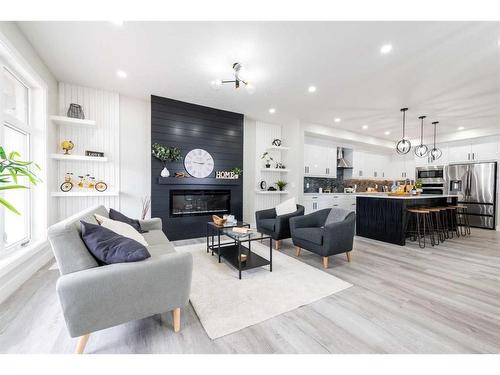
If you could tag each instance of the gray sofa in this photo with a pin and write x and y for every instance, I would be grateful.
(278, 227)
(309, 232)
(95, 297)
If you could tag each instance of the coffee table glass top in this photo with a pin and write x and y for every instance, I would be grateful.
(229, 225)
(250, 236)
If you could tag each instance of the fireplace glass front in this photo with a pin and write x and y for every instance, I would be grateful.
(199, 202)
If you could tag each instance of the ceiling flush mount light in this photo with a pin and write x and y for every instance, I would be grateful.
(460, 128)
(404, 145)
(387, 132)
(240, 78)
(421, 150)
(435, 153)
(121, 74)
(337, 119)
(311, 89)
(365, 127)
(385, 49)
(272, 110)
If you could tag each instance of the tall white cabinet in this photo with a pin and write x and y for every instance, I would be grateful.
(320, 158)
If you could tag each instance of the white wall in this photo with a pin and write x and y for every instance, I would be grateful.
(135, 154)
(249, 165)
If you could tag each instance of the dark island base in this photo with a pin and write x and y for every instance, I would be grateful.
(384, 219)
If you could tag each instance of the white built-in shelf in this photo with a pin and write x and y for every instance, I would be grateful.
(275, 170)
(69, 121)
(78, 158)
(89, 193)
(277, 148)
(266, 192)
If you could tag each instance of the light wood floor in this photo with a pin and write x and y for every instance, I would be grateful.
(404, 300)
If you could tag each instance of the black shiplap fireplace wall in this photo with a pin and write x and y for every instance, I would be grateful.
(189, 126)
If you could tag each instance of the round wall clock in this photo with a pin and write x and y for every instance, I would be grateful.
(199, 163)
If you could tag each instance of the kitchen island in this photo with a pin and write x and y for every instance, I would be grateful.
(382, 217)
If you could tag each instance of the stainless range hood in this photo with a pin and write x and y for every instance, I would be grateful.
(341, 162)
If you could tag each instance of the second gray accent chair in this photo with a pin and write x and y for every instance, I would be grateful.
(278, 227)
(96, 297)
(324, 235)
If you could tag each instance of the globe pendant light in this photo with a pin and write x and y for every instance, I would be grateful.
(435, 153)
(421, 150)
(404, 145)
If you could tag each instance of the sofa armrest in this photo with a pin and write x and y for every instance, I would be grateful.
(106, 296)
(265, 214)
(151, 224)
(339, 236)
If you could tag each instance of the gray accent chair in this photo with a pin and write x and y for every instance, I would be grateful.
(309, 232)
(96, 297)
(278, 227)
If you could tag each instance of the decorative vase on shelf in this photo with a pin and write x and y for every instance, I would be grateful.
(268, 165)
(165, 172)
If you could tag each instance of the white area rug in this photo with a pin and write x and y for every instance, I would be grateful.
(226, 304)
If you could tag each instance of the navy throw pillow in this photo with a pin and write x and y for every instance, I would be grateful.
(118, 216)
(109, 247)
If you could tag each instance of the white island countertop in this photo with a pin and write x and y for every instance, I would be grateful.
(421, 196)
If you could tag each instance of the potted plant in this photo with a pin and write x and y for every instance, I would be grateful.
(11, 169)
(268, 158)
(165, 154)
(418, 186)
(281, 184)
(237, 171)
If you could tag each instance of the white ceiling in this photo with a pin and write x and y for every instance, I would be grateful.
(449, 71)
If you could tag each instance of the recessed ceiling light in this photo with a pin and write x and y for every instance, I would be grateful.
(272, 110)
(461, 128)
(386, 48)
(365, 127)
(117, 22)
(387, 132)
(337, 119)
(312, 89)
(121, 74)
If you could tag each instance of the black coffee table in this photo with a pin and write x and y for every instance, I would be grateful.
(214, 230)
(231, 253)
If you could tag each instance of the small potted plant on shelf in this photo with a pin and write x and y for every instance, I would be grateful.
(281, 184)
(165, 154)
(237, 171)
(268, 158)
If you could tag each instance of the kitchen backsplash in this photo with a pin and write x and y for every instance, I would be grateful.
(337, 185)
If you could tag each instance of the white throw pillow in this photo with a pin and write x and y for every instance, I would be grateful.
(287, 207)
(123, 229)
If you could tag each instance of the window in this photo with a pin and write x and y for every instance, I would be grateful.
(16, 137)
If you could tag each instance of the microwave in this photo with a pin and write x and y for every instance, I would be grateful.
(430, 174)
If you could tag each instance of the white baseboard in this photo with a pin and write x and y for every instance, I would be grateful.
(22, 272)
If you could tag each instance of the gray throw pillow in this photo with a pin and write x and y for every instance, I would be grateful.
(336, 215)
(118, 216)
(109, 247)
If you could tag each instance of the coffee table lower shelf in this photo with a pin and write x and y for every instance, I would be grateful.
(230, 254)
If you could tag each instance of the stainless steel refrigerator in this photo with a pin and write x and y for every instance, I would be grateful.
(475, 185)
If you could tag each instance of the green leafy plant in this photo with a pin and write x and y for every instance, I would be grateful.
(237, 171)
(281, 184)
(165, 154)
(418, 184)
(11, 169)
(267, 156)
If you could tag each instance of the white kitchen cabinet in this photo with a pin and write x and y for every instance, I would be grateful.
(459, 153)
(403, 166)
(320, 160)
(485, 151)
(314, 203)
(475, 150)
(358, 164)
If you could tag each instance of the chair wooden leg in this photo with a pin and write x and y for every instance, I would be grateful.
(348, 254)
(297, 252)
(325, 262)
(82, 342)
(176, 318)
(277, 245)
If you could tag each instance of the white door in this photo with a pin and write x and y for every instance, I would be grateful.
(459, 153)
(485, 151)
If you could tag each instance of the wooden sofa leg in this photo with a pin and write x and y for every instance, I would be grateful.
(176, 318)
(82, 342)
(348, 254)
(297, 253)
(325, 262)
(277, 245)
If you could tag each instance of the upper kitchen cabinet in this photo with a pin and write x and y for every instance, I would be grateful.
(320, 158)
(358, 164)
(371, 165)
(475, 150)
(403, 166)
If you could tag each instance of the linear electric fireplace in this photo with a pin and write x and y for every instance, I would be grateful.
(199, 202)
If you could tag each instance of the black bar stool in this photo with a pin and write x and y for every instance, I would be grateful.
(420, 226)
(453, 220)
(437, 225)
(463, 220)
